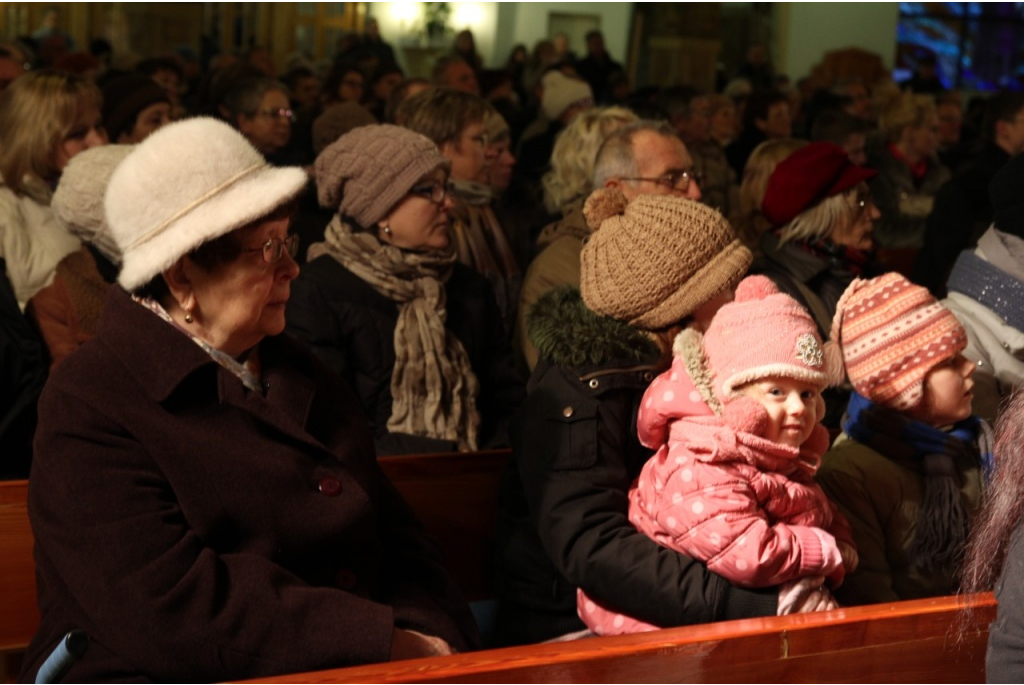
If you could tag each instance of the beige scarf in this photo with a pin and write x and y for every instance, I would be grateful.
(433, 387)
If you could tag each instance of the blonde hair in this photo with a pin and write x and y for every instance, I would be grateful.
(818, 222)
(750, 223)
(37, 112)
(905, 111)
(575, 152)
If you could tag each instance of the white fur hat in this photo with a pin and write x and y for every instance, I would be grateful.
(189, 183)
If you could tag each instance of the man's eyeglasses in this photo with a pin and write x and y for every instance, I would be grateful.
(286, 114)
(674, 180)
(275, 248)
(435, 191)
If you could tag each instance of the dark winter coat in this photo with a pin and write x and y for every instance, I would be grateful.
(563, 505)
(200, 532)
(351, 328)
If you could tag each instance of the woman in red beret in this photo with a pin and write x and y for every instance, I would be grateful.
(823, 218)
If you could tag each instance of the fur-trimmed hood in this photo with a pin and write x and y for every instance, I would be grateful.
(568, 333)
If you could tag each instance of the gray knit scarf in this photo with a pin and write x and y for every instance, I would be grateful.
(433, 387)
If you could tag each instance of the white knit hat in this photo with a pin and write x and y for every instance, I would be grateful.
(78, 201)
(561, 92)
(189, 183)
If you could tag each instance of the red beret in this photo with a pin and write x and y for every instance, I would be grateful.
(808, 176)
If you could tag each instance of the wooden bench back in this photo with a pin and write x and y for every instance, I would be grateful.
(456, 497)
(906, 642)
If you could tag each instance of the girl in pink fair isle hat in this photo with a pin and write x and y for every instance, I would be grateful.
(736, 425)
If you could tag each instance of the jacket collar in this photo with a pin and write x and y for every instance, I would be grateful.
(170, 364)
(568, 333)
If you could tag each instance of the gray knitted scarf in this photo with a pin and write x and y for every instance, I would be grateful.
(433, 387)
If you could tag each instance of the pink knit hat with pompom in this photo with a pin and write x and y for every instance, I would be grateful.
(762, 333)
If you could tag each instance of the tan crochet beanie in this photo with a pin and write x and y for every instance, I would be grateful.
(655, 260)
(369, 169)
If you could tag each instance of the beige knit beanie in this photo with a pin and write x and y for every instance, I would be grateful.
(369, 169)
(655, 260)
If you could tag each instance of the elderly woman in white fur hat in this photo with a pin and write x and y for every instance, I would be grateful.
(205, 498)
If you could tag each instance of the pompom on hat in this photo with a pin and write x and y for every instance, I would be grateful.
(653, 261)
(891, 334)
(762, 333)
(187, 184)
(368, 170)
(808, 176)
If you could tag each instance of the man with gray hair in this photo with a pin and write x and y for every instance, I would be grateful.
(642, 158)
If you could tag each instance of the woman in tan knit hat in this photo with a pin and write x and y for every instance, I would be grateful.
(385, 303)
(651, 267)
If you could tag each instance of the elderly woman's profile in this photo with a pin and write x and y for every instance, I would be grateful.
(205, 498)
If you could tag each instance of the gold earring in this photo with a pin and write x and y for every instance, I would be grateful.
(187, 306)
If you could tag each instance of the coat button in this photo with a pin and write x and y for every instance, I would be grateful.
(330, 486)
(345, 579)
(568, 412)
(593, 384)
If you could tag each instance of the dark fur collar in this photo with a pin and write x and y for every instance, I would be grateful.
(568, 333)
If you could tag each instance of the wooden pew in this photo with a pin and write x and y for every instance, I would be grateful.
(456, 497)
(905, 642)
(19, 614)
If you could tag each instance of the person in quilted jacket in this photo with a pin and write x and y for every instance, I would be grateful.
(736, 424)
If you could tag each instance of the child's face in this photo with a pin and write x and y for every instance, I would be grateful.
(948, 391)
(794, 407)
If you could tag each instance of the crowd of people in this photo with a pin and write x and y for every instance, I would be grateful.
(747, 348)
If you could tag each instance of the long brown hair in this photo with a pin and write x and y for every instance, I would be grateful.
(1001, 512)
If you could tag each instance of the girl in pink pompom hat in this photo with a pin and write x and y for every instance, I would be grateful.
(735, 423)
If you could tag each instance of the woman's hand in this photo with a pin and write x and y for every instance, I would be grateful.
(409, 644)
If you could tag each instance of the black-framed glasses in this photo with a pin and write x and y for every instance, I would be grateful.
(275, 114)
(674, 180)
(435, 191)
(275, 248)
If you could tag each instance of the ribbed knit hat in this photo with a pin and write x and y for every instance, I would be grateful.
(762, 333)
(560, 92)
(891, 334)
(337, 120)
(124, 98)
(808, 176)
(655, 260)
(78, 200)
(187, 184)
(368, 170)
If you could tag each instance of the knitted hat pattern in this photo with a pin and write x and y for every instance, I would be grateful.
(188, 183)
(124, 98)
(369, 169)
(78, 200)
(653, 261)
(891, 334)
(560, 92)
(762, 333)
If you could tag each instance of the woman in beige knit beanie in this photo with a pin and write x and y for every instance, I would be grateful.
(651, 267)
(385, 303)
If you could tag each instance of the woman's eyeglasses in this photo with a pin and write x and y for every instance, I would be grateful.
(435, 191)
(674, 180)
(275, 248)
(277, 114)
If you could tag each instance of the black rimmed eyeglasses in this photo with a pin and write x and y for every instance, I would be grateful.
(674, 180)
(435, 191)
(275, 248)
